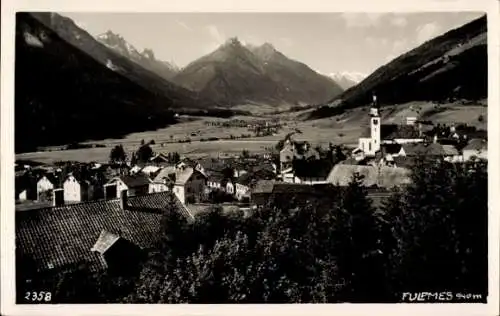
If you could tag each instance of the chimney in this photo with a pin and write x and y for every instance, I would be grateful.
(123, 199)
(58, 197)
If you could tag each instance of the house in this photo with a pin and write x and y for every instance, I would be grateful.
(245, 182)
(77, 190)
(189, 184)
(295, 150)
(100, 235)
(378, 134)
(44, 187)
(385, 177)
(477, 148)
(163, 180)
(242, 186)
(136, 184)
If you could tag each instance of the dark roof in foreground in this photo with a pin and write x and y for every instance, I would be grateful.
(61, 237)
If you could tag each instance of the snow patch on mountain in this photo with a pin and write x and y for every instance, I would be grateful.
(354, 76)
(32, 40)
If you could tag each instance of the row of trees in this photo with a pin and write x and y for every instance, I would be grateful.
(142, 155)
(337, 248)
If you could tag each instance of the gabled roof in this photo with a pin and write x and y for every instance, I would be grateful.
(160, 157)
(254, 176)
(135, 180)
(382, 176)
(164, 173)
(450, 150)
(105, 241)
(65, 235)
(182, 175)
(432, 149)
(477, 144)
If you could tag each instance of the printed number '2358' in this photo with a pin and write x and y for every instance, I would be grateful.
(38, 296)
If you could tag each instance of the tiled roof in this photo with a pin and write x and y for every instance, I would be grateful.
(60, 237)
(432, 149)
(164, 173)
(136, 180)
(384, 176)
(182, 175)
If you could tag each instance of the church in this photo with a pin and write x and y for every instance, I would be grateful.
(378, 135)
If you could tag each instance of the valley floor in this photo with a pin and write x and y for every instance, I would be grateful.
(342, 129)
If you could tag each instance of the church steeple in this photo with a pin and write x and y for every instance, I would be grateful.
(374, 110)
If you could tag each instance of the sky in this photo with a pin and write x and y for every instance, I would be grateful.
(327, 42)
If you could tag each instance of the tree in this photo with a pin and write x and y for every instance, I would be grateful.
(117, 154)
(441, 245)
(245, 153)
(144, 153)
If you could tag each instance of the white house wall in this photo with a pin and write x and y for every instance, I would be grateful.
(72, 190)
(43, 185)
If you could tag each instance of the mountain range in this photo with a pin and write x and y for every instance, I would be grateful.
(449, 67)
(347, 80)
(70, 88)
(146, 58)
(68, 31)
(238, 74)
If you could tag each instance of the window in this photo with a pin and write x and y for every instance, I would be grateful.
(369, 146)
(375, 122)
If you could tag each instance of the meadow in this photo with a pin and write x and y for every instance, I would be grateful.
(341, 129)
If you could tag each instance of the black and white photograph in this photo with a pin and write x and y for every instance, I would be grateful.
(251, 157)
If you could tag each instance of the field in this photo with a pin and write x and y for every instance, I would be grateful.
(341, 129)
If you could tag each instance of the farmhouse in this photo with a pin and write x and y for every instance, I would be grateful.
(136, 184)
(189, 185)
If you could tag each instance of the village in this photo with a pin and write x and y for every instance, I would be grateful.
(384, 157)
